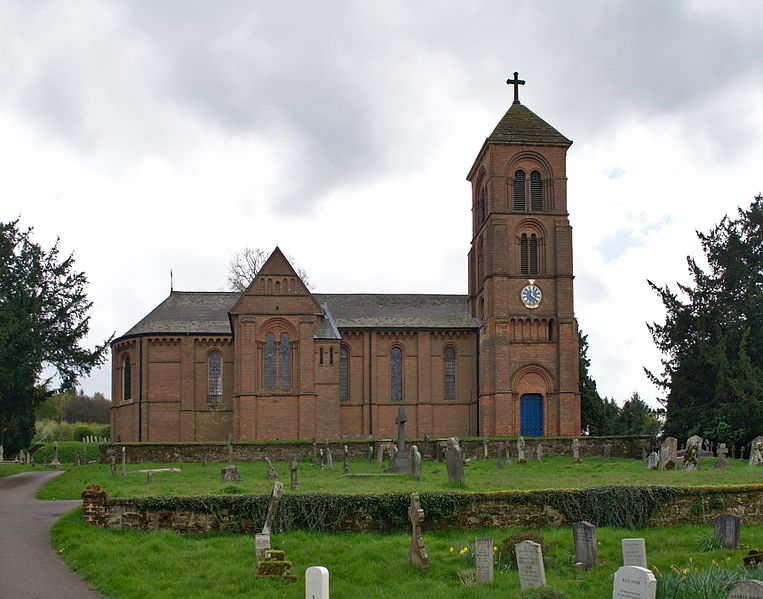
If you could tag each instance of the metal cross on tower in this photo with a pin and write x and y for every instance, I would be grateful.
(516, 82)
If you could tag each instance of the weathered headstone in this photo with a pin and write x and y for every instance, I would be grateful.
(272, 474)
(149, 477)
(262, 539)
(539, 452)
(454, 462)
(756, 451)
(113, 465)
(230, 474)
(370, 453)
(652, 461)
(634, 582)
(380, 454)
(2, 453)
(417, 553)
(634, 552)
(507, 452)
(315, 453)
(345, 460)
(726, 528)
(530, 564)
(521, 451)
(56, 464)
(427, 455)
(723, 451)
(747, 589)
(483, 559)
(733, 452)
(415, 463)
(316, 583)
(321, 458)
(124, 461)
(275, 566)
(400, 462)
(721, 461)
(484, 448)
(691, 456)
(576, 452)
(440, 448)
(669, 452)
(327, 457)
(608, 451)
(293, 463)
(695, 440)
(584, 537)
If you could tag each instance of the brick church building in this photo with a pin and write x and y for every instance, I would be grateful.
(280, 362)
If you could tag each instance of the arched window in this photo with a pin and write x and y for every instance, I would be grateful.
(126, 379)
(344, 363)
(269, 362)
(449, 370)
(483, 199)
(536, 192)
(519, 191)
(214, 377)
(396, 374)
(284, 365)
(528, 254)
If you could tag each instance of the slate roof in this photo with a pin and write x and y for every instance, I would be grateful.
(206, 312)
(522, 125)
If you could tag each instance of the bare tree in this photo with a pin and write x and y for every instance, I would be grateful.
(244, 265)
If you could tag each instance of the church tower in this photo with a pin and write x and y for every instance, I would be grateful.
(520, 279)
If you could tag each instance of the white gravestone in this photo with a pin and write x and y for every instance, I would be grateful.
(316, 583)
(634, 552)
(747, 589)
(483, 552)
(633, 582)
(530, 564)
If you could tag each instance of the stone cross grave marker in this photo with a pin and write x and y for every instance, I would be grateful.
(327, 457)
(293, 463)
(262, 539)
(272, 474)
(521, 451)
(399, 463)
(345, 462)
(721, 461)
(507, 452)
(316, 583)
(584, 537)
(484, 448)
(726, 528)
(539, 452)
(124, 461)
(55, 463)
(415, 463)
(483, 559)
(747, 589)
(576, 451)
(314, 461)
(417, 553)
(530, 564)
(723, 451)
(454, 462)
(634, 552)
(634, 582)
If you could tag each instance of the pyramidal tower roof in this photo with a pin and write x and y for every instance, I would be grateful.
(521, 125)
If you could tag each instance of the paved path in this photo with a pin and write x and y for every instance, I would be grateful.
(29, 567)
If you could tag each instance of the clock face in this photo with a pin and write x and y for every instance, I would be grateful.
(531, 296)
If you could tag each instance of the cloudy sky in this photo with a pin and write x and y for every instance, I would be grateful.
(152, 136)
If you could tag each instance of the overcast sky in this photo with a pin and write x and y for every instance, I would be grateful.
(152, 136)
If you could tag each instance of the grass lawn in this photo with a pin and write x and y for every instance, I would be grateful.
(164, 564)
(481, 475)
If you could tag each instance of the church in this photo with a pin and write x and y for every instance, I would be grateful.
(280, 362)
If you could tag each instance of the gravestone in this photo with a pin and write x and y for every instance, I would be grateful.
(507, 452)
(321, 458)
(380, 454)
(530, 564)
(370, 452)
(417, 553)
(723, 452)
(415, 463)
(275, 567)
(262, 539)
(440, 448)
(2, 453)
(149, 477)
(634, 582)
(741, 452)
(483, 559)
(721, 461)
(124, 461)
(747, 589)
(726, 528)
(316, 583)
(670, 445)
(608, 451)
(653, 461)
(327, 457)
(400, 462)
(484, 448)
(345, 460)
(272, 474)
(634, 552)
(756, 451)
(427, 455)
(691, 457)
(56, 464)
(314, 461)
(695, 440)
(584, 537)
(293, 471)
(539, 452)
(733, 452)
(521, 451)
(454, 462)
(576, 452)
(113, 465)
(230, 474)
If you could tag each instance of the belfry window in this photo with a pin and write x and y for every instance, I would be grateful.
(519, 191)
(536, 192)
(528, 254)
(344, 359)
(214, 377)
(126, 379)
(396, 374)
(449, 372)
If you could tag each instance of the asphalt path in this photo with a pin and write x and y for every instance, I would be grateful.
(29, 567)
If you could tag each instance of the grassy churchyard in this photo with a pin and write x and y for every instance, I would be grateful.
(687, 560)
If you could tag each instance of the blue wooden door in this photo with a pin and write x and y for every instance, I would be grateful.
(531, 415)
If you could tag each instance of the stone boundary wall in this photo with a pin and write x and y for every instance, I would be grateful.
(165, 453)
(694, 505)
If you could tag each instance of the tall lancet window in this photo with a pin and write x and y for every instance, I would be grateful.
(344, 383)
(126, 379)
(214, 377)
(269, 362)
(396, 374)
(519, 191)
(284, 365)
(536, 192)
(449, 370)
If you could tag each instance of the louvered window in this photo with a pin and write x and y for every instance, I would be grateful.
(449, 369)
(519, 191)
(344, 359)
(269, 362)
(284, 365)
(484, 203)
(533, 255)
(524, 254)
(214, 377)
(396, 374)
(126, 379)
(536, 192)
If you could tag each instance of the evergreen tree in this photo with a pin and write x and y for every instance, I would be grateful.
(636, 418)
(597, 414)
(712, 338)
(43, 320)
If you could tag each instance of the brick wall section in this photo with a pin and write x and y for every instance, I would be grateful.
(94, 505)
(169, 453)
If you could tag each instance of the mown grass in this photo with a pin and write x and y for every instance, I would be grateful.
(164, 564)
(481, 475)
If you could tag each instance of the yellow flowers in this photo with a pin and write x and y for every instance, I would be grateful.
(495, 548)
(464, 550)
(452, 550)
